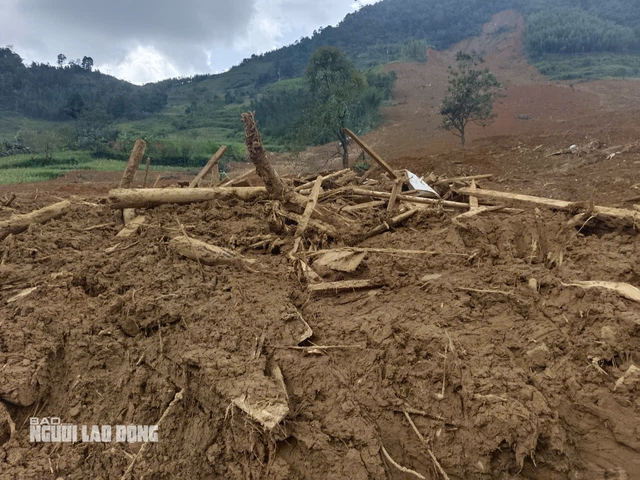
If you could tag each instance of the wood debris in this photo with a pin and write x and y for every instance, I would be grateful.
(19, 223)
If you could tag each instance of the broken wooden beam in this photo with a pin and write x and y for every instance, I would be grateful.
(394, 222)
(384, 165)
(132, 227)
(152, 197)
(213, 162)
(448, 181)
(335, 287)
(205, 253)
(231, 182)
(363, 206)
(410, 199)
(549, 202)
(330, 176)
(19, 223)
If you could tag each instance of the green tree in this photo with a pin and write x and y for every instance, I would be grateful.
(87, 63)
(335, 89)
(470, 95)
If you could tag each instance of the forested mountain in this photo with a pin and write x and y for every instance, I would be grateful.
(99, 108)
(60, 93)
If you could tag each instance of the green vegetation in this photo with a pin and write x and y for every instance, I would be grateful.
(571, 30)
(594, 66)
(70, 106)
(336, 91)
(470, 95)
(28, 168)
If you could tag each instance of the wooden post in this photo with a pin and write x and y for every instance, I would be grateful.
(385, 166)
(397, 187)
(146, 173)
(213, 162)
(132, 165)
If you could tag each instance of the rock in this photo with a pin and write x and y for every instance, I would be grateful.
(539, 356)
(629, 381)
(533, 284)
(129, 327)
(608, 334)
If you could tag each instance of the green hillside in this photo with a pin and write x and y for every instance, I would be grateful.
(184, 120)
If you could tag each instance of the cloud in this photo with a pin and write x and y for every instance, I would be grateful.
(144, 40)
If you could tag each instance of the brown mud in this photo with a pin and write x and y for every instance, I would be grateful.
(528, 367)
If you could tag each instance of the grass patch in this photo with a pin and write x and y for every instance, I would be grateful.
(29, 168)
(595, 66)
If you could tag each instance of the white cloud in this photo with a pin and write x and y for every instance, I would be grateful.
(143, 41)
(142, 65)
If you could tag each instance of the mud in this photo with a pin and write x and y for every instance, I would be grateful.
(528, 367)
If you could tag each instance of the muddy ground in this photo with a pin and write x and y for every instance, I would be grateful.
(528, 365)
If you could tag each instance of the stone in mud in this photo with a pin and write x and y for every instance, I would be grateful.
(539, 356)
(629, 381)
(608, 334)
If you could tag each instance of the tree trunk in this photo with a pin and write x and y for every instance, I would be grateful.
(344, 144)
(132, 165)
(276, 188)
(462, 137)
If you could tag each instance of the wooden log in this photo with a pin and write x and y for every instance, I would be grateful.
(410, 199)
(215, 175)
(229, 182)
(276, 188)
(317, 224)
(395, 221)
(363, 206)
(335, 287)
(213, 162)
(132, 165)
(368, 174)
(311, 205)
(448, 181)
(397, 188)
(306, 216)
(146, 173)
(549, 202)
(152, 197)
(205, 253)
(331, 176)
(19, 223)
(384, 165)
(473, 200)
(132, 227)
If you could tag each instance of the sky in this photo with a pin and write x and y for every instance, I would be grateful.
(148, 40)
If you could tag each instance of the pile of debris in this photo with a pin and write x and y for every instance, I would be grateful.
(316, 227)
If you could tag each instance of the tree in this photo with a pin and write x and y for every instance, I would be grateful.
(61, 58)
(470, 95)
(87, 63)
(74, 107)
(336, 89)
